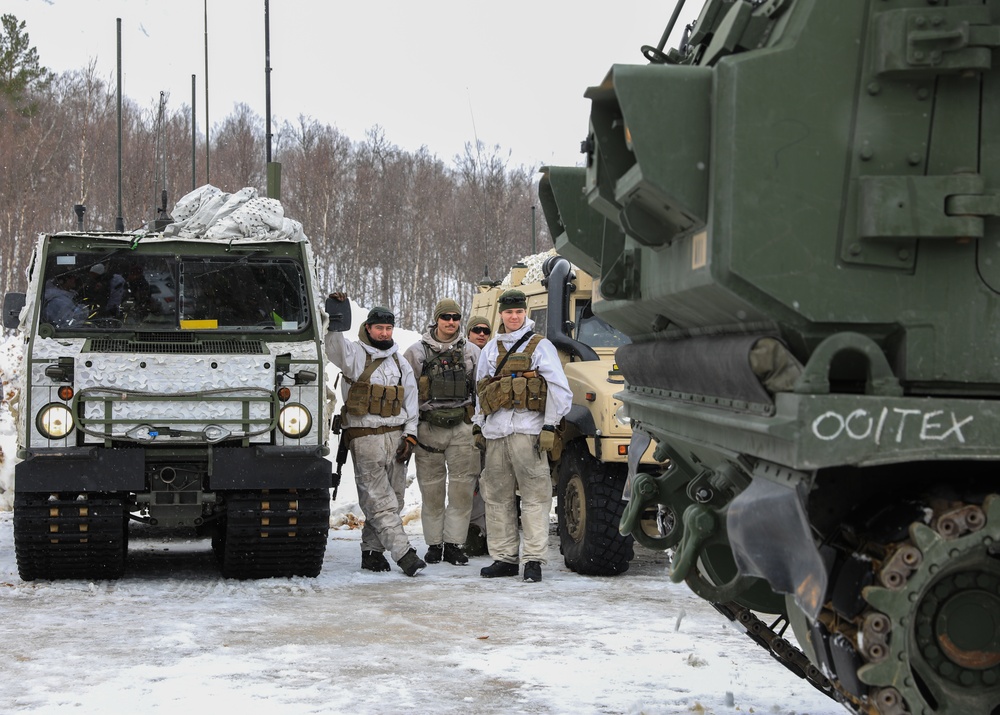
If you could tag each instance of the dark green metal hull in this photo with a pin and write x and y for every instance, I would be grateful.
(795, 216)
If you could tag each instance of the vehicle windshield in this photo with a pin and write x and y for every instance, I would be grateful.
(592, 331)
(128, 292)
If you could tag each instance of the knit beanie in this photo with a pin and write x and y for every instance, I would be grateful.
(478, 320)
(512, 299)
(446, 306)
(380, 316)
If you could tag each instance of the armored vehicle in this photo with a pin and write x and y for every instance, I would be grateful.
(174, 377)
(794, 217)
(588, 472)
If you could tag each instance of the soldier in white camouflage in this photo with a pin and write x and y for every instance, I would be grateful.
(447, 460)
(380, 423)
(522, 395)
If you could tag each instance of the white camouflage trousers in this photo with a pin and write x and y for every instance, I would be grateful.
(381, 483)
(458, 466)
(514, 463)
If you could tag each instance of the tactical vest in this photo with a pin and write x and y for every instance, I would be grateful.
(366, 398)
(515, 386)
(444, 377)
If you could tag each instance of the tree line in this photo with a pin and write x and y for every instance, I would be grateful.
(388, 226)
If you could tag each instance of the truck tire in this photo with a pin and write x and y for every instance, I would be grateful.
(273, 533)
(70, 536)
(589, 506)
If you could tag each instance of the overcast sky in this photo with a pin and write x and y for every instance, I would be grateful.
(435, 73)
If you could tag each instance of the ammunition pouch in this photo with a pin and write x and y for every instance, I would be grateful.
(359, 396)
(443, 376)
(366, 398)
(512, 393)
(446, 417)
(515, 386)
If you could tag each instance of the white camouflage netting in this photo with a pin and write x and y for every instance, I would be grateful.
(210, 213)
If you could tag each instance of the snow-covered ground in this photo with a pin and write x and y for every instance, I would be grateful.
(174, 637)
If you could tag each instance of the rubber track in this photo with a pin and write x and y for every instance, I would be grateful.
(62, 537)
(271, 534)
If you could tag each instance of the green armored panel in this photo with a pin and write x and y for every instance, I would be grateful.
(576, 231)
(808, 268)
(819, 174)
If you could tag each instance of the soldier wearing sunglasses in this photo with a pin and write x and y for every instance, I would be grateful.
(479, 331)
(475, 543)
(447, 460)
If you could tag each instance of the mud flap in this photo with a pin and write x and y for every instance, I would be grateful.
(770, 536)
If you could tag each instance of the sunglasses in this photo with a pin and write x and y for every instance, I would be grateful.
(481, 330)
(450, 316)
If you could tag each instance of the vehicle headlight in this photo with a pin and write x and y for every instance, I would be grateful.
(621, 416)
(55, 421)
(294, 421)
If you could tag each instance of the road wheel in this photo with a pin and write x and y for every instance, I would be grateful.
(589, 508)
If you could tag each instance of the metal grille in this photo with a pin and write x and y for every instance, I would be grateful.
(205, 347)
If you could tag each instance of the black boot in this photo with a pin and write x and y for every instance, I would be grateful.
(475, 542)
(433, 555)
(374, 561)
(533, 571)
(455, 554)
(498, 569)
(411, 563)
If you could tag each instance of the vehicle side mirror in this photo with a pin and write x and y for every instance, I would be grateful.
(12, 305)
(340, 314)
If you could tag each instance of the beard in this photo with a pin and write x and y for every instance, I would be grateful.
(380, 344)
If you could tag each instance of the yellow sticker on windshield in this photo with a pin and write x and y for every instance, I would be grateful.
(199, 324)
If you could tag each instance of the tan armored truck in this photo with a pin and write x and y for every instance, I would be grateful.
(588, 473)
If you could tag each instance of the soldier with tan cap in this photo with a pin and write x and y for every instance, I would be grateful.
(447, 460)
(479, 331)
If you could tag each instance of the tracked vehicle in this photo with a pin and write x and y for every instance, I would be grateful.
(794, 217)
(175, 377)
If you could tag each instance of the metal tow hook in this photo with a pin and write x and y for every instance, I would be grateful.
(644, 492)
(700, 525)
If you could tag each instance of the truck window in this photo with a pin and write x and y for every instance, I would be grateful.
(592, 331)
(123, 291)
(541, 318)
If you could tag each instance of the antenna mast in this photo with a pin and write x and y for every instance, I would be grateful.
(194, 139)
(208, 123)
(119, 221)
(273, 167)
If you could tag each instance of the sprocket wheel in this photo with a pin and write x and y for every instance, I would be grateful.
(933, 644)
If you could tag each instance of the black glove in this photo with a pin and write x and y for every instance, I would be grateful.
(405, 448)
(477, 437)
